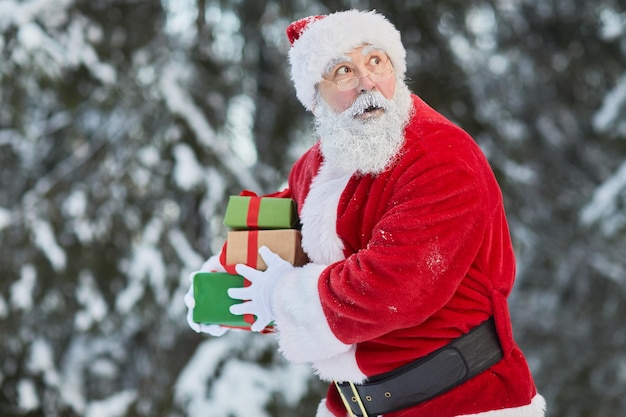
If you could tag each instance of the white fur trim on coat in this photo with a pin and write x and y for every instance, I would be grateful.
(319, 217)
(303, 332)
(341, 367)
(334, 36)
(322, 410)
(536, 408)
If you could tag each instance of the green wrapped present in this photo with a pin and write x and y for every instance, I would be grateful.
(257, 213)
(210, 292)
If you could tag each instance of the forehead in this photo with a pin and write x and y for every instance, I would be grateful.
(363, 50)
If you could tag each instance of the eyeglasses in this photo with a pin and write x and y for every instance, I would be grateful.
(376, 76)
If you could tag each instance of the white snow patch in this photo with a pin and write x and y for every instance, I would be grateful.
(197, 390)
(27, 398)
(612, 109)
(181, 103)
(45, 240)
(41, 361)
(188, 172)
(604, 206)
(114, 406)
(149, 156)
(76, 204)
(240, 123)
(613, 24)
(94, 306)
(5, 218)
(146, 263)
(190, 258)
(82, 360)
(22, 290)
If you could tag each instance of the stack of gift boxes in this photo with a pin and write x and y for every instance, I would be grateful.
(254, 222)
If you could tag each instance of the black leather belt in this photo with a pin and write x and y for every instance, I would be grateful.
(427, 377)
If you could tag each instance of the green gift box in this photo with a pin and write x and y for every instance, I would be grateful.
(256, 213)
(210, 292)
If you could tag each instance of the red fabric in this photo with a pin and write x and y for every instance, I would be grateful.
(297, 28)
(252, 220)
(428, 257)
(252, 254)
(229, 268)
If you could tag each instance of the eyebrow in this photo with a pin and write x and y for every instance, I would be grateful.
(336, 61)
(371, 48)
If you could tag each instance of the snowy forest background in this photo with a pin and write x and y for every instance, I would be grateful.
(124, 124)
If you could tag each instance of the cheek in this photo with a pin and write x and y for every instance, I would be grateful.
(388, 88)
(338, 100)
(344, 101)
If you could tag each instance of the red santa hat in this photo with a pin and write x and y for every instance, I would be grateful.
(318, 40)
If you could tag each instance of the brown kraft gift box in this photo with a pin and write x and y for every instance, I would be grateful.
(242, 247)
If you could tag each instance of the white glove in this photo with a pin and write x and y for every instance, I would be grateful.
(259, 293)
(211, 265)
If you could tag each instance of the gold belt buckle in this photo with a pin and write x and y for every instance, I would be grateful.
(356, 398)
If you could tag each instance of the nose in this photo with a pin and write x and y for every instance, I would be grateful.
(366, 83)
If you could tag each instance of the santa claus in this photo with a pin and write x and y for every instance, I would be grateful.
(403, 308)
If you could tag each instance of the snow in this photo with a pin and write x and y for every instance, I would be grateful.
(188, 172)
(41, 362)
(76, 204)
(254, 385)
(52, 55)
(114, 406)
(5, 218)
(102, 314)
(27, 398)
(94, 306)
(612, 110)
(145, 264)
(240, 123)
(45, 240)
(22, 290)
(604, 206)
(190, 258)
(613, 24)
(180, 103)
(181, 19)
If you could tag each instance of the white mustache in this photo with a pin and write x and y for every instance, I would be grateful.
(367, 101)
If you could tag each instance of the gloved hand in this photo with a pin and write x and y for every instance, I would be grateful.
(259, 293)
(211, 265)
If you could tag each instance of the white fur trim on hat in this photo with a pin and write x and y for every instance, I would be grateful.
(335, 35)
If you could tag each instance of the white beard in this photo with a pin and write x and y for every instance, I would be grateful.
(363, 146)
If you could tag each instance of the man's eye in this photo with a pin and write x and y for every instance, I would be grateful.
(342, 71)
(375, 60)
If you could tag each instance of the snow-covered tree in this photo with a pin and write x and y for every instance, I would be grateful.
(125, 124)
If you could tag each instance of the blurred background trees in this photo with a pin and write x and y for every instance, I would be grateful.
(124, 124)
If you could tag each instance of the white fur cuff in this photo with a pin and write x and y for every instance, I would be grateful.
(536, 408)
(303, 332)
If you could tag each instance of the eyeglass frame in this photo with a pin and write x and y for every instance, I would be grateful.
(355, 79)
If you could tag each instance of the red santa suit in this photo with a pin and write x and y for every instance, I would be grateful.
(403, 262)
